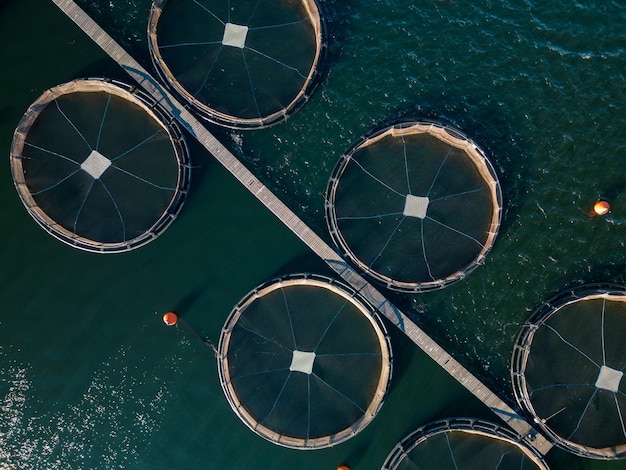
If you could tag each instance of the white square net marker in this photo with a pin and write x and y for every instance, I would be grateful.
(302, 362)
(235, 35)
(415, 206)
(96, 164)
(609, 379)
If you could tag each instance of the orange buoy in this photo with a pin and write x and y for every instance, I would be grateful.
(343, 467)
(601, 207)
(170, 318)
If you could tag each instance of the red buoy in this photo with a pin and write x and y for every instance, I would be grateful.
(601, 207)
(170, 318)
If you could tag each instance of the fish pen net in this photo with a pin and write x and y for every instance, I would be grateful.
(463, 443)
(99, 165)
(304, 361)
(416, 205)
(245, 64)
(567, 369)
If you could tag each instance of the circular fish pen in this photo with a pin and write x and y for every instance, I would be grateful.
(463, 443)
(247, 64)
(567, 369)
(99, 165)
(304, 361)
(416, 205)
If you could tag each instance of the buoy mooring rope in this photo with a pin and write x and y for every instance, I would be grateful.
(171, 319)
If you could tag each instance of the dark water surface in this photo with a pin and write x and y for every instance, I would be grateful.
(91, 378)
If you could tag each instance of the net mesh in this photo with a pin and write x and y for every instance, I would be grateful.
(97, 167)
(303, 362)
(567, 370)
(244, 64)
(463, 443)
(415, 205)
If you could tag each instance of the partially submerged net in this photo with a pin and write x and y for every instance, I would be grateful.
(567, 370)
(304, 361)
(242, 64)
(416, 206)
(463, 443)
(99, 165)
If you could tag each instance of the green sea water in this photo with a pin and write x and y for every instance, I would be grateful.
(90, 376)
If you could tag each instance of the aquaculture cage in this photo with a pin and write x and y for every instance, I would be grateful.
(567, 369)
(99, 165)
(244, 64)
(304, 361)
(415, 205)
(463, 443)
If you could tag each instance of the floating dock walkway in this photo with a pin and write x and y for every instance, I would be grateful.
(525, 431)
